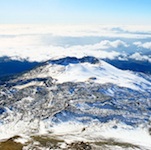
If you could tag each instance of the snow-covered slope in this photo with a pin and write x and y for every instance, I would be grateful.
(101, 72)
(86, 69)
(78, 99)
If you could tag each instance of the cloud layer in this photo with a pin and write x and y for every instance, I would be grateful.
(139, 57)
(40, 43)
(146, 45)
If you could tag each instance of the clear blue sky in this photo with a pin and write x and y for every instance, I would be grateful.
(120, 12)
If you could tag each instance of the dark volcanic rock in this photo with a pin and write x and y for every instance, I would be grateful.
(79, 146)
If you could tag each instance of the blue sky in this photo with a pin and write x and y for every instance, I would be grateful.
(119, 12)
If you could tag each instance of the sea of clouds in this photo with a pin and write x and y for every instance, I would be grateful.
(43, 42)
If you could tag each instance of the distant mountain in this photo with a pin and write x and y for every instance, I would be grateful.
(10, 67)
(131, 64)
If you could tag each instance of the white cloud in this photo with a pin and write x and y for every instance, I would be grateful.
(43, 53)
(146, 45)
(138, 43)
(77, 30)
(139, 57)
(37, 42)
(103, 45)
(109, 44)
(34, 44)
(118, 43)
